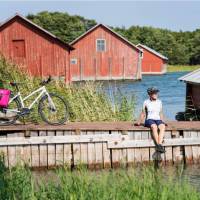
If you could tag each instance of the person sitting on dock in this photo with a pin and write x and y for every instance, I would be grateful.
(153, 115)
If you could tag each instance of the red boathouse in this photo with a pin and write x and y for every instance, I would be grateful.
(33, 48)
(102, 54)
(152, 62)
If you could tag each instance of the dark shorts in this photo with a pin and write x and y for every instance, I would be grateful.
(149, 122)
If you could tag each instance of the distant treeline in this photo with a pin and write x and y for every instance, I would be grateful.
(180, 47)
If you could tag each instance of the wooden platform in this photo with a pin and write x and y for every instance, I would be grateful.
(96, 144)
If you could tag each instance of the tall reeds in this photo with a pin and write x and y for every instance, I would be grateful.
(86, 101)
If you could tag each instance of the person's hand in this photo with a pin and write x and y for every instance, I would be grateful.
(165, 124)
(137, 124)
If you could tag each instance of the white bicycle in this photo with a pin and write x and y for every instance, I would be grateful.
(51, 107)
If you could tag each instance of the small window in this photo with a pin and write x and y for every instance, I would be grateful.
(19, 48)
(141, 54)
(73, 61)
(101, 45)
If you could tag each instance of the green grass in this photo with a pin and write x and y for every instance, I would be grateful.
(144, 183)
(182, 68)
(86, 101)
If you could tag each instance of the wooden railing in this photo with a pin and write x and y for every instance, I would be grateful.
(96, 144)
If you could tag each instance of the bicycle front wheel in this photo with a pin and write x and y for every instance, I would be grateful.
(53, 109)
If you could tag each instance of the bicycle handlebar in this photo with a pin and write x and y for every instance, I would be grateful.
(15, 84)
(44, 82)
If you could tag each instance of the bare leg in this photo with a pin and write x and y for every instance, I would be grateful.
(161, 133)
(154, 129)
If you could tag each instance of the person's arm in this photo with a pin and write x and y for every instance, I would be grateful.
(162, 115)
(141, 116)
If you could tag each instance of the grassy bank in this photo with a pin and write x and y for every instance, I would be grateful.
(63, 184)
(86, 102)
(182, 68)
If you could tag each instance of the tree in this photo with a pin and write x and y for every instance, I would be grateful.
(180, 47)
(64, 26)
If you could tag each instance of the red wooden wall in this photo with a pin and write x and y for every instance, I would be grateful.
(193, 91)
(151, 63)
(33, 50)
(119, 61)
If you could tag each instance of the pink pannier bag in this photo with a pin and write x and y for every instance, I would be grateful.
(4, 97)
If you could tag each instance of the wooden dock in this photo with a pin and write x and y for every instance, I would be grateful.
(96, 144)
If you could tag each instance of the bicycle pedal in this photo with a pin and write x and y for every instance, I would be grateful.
(25, 111)
(3, 110)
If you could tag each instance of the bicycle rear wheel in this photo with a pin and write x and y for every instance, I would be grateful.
(10, 114)
(55, 114)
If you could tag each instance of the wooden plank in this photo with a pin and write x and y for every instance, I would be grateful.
(188, 149)
(20, 150)
(43, 151)
(91, 152)
(4, 152)
(198, 135)
(138, 155)
(67, 152)
(35, 155)
(131, 135)
(84, 151)
(169, 152)
(123, 157)
(114, 142)
(27, 155)
(91, 155)
(76, 154)
(59, 150)
(115, 153)
(12, 161)
(51, 151)
(177, 157)
(99, 155)
(130, 156)
(67, 132)
(99, 152)
(115, 158)
(62, 139)
(195, 149)
(149, 143)
(145, 151)
(152, 150)
(105, 126)
(106, 156)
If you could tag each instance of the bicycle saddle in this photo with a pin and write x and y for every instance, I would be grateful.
(13, 83)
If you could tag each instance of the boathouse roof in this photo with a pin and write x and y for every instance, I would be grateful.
(110, 30)
(47, 33)
(192, 77)
(152, 51)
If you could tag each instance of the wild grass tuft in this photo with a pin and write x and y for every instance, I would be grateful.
(144, 183)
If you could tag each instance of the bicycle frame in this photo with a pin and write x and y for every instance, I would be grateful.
(42, 91)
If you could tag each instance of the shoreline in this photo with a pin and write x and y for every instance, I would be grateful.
(182, 68)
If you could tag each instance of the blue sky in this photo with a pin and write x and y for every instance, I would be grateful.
(174, 15)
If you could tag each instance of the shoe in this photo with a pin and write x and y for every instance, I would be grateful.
(160, 148)
(157, 156)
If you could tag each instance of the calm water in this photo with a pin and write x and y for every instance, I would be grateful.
(172, 91)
